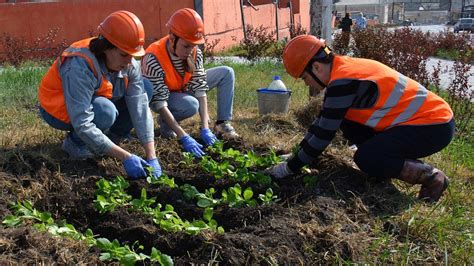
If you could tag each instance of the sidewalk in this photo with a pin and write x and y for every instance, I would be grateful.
(447, 72)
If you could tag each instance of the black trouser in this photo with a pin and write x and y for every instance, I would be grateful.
(382, 154)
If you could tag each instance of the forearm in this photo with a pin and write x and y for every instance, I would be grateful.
(150, 150)
(118, 153)
(203, 112)
(168, 117)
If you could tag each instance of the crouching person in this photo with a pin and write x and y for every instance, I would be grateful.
(175, 67)
(392, 119)
(95, 87)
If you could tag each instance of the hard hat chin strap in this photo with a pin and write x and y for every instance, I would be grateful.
(309, 69)
(317, 79)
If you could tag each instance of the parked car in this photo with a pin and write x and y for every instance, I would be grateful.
(464, 24)
(407, 23)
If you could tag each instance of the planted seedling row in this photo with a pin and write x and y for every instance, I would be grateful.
(110, 251)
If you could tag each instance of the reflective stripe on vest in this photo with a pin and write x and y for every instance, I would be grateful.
(173, 80)
(402, 101)
(50, 92)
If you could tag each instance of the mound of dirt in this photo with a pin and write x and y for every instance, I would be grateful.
(318, 222)
(308, 113)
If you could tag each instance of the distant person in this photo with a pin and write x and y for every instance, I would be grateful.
(361, 22)
(346, 25)
(392, 119)
(95, 91)
(175, 67)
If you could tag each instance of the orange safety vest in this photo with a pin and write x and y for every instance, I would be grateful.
(401, 100)
(50, 93)
(173, 80)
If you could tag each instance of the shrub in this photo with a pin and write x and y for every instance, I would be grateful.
(404, 49)
(461, 96)
(17, 50)
(296, 30)
(258, 41)
(208, 49)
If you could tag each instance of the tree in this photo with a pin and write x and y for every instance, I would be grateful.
(321, 19)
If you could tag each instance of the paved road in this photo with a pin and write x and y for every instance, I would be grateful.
(447, 75)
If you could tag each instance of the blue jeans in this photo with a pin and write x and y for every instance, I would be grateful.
(382, 154)
(107, 115)
(184, 105)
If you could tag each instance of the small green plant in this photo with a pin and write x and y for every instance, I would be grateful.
(218, 170)
(268, 197)
(111, 194)
(204, 200)
(110, 250)
(143, 203)
(163, 180)
(127, 255)
(188, 159)
(235, 197)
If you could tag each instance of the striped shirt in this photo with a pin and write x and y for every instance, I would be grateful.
(340, 95)
(152, 70)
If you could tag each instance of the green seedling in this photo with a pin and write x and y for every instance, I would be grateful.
(268, 197)
(163, 180)
(218, 170)
(235, 197)
(110, 250)
(143, 203)
(111, 194)
(204, 200)
(188, 159)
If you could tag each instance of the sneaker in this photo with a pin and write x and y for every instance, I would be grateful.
(166, 132)
(225, 130)
(75, 151)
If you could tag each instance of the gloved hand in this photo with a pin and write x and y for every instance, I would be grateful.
(192, 146)
(208, 137)
(279, 171)
(156, 173)
(135, 166)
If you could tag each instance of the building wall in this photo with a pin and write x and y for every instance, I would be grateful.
(77, 19)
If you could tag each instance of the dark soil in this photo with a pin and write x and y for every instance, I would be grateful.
(319, 224)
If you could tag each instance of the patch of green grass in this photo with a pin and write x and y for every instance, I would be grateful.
(235, 50)
(252, 76)
(452, 54)
(19, 86)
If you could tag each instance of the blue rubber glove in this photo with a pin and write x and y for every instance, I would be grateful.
(156, 173)
(135, 167)
(208, 137)
(192, 146)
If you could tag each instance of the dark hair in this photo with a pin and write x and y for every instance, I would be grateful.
(99, 45)
(347, 15)
(325, 55)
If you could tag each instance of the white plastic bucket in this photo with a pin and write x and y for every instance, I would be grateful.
(273, 101)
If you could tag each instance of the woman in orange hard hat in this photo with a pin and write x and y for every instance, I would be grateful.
(174, 65)
(392, 119)
(95, 91)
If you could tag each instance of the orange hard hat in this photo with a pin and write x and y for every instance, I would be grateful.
(187, 24)
(124, 30)
(299, 51)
